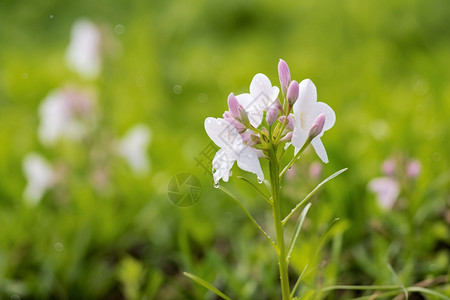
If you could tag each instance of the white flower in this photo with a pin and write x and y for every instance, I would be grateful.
(133, 147)
(39, 176)
(386, 190)
(232, 149)
(83, 53)
(58, 113)
(306, 110)
(262, 95)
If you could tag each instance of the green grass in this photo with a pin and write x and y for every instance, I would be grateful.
(383, 67)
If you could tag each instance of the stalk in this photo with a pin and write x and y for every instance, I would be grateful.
(281, 253)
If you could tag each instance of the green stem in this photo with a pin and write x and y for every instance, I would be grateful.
(308, 141)
(282, 260)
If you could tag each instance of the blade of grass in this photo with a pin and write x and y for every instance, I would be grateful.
(312, 193)
(249, 215)
(206, 285)
(319, 245)
(256, 189)
(297, 229)
(399, 281)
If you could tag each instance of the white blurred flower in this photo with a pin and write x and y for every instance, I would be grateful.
(386, 189)
(59, 113)
(39, 175)
(83, 53)
(133, 147)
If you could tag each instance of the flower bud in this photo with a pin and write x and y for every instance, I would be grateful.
(292, 93)
(287, 137)
(243, 116)
(233, 105)
(317, 126)
(284, 75)
(290, 123)
(232, 120)
(272, 114)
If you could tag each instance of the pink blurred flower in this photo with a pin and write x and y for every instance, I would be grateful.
(386, 189)
(413, 169)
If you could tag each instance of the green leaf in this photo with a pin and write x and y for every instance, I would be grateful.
(249, 215)
(297, 229)
(312, 193)
(206, 285)
(256, 189)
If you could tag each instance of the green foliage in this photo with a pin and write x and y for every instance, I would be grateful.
(383, 66)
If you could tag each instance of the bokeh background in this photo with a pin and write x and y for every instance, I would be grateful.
(104, 229)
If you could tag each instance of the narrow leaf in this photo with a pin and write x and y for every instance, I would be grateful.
(256, 189)
(311, 194)
(319, 245)
(297, 229)
(206, 285)
(248, 215)
(399, 281)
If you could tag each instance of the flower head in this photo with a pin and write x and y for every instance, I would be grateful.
(83, 53)
(133, 147)
(262, 95)
(232, 148)
(39, 175)
(306, 110)
(386, 189)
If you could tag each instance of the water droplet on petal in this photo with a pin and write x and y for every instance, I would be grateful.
(260, 180)
(216, 185)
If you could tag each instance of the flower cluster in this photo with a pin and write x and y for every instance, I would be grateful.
(258, 120)
(400, 172)
(70, 114)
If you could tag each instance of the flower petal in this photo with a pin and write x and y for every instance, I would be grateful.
(386, 189)
(222, 163)
(253, 108)
(248, 161)
(320, 149)
(261, 87)
(223, 134)
(299, 138)
(307, 94)
(322, 108)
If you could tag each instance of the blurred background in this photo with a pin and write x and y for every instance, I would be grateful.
(102, 103)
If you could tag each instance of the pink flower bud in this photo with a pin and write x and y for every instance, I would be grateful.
(233, 105)
(388, 167)
(243, 116)
(287, 137)
(292, 93)
(232, 120)
(413, 169)
(272, 114)
(317, 126)
(284, 75)
(290, 123)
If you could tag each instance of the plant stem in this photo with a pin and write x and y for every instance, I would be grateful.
(275, 184)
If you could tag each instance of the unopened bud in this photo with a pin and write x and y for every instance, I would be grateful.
(243, 116)
(233, 105)
(284, 75)
(272, 114)
(256, 139)
(232, 120)
(292, 93)
(287, 137)
(290, 121)
(317, 126)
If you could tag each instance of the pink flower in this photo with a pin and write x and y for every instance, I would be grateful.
(386, 189)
